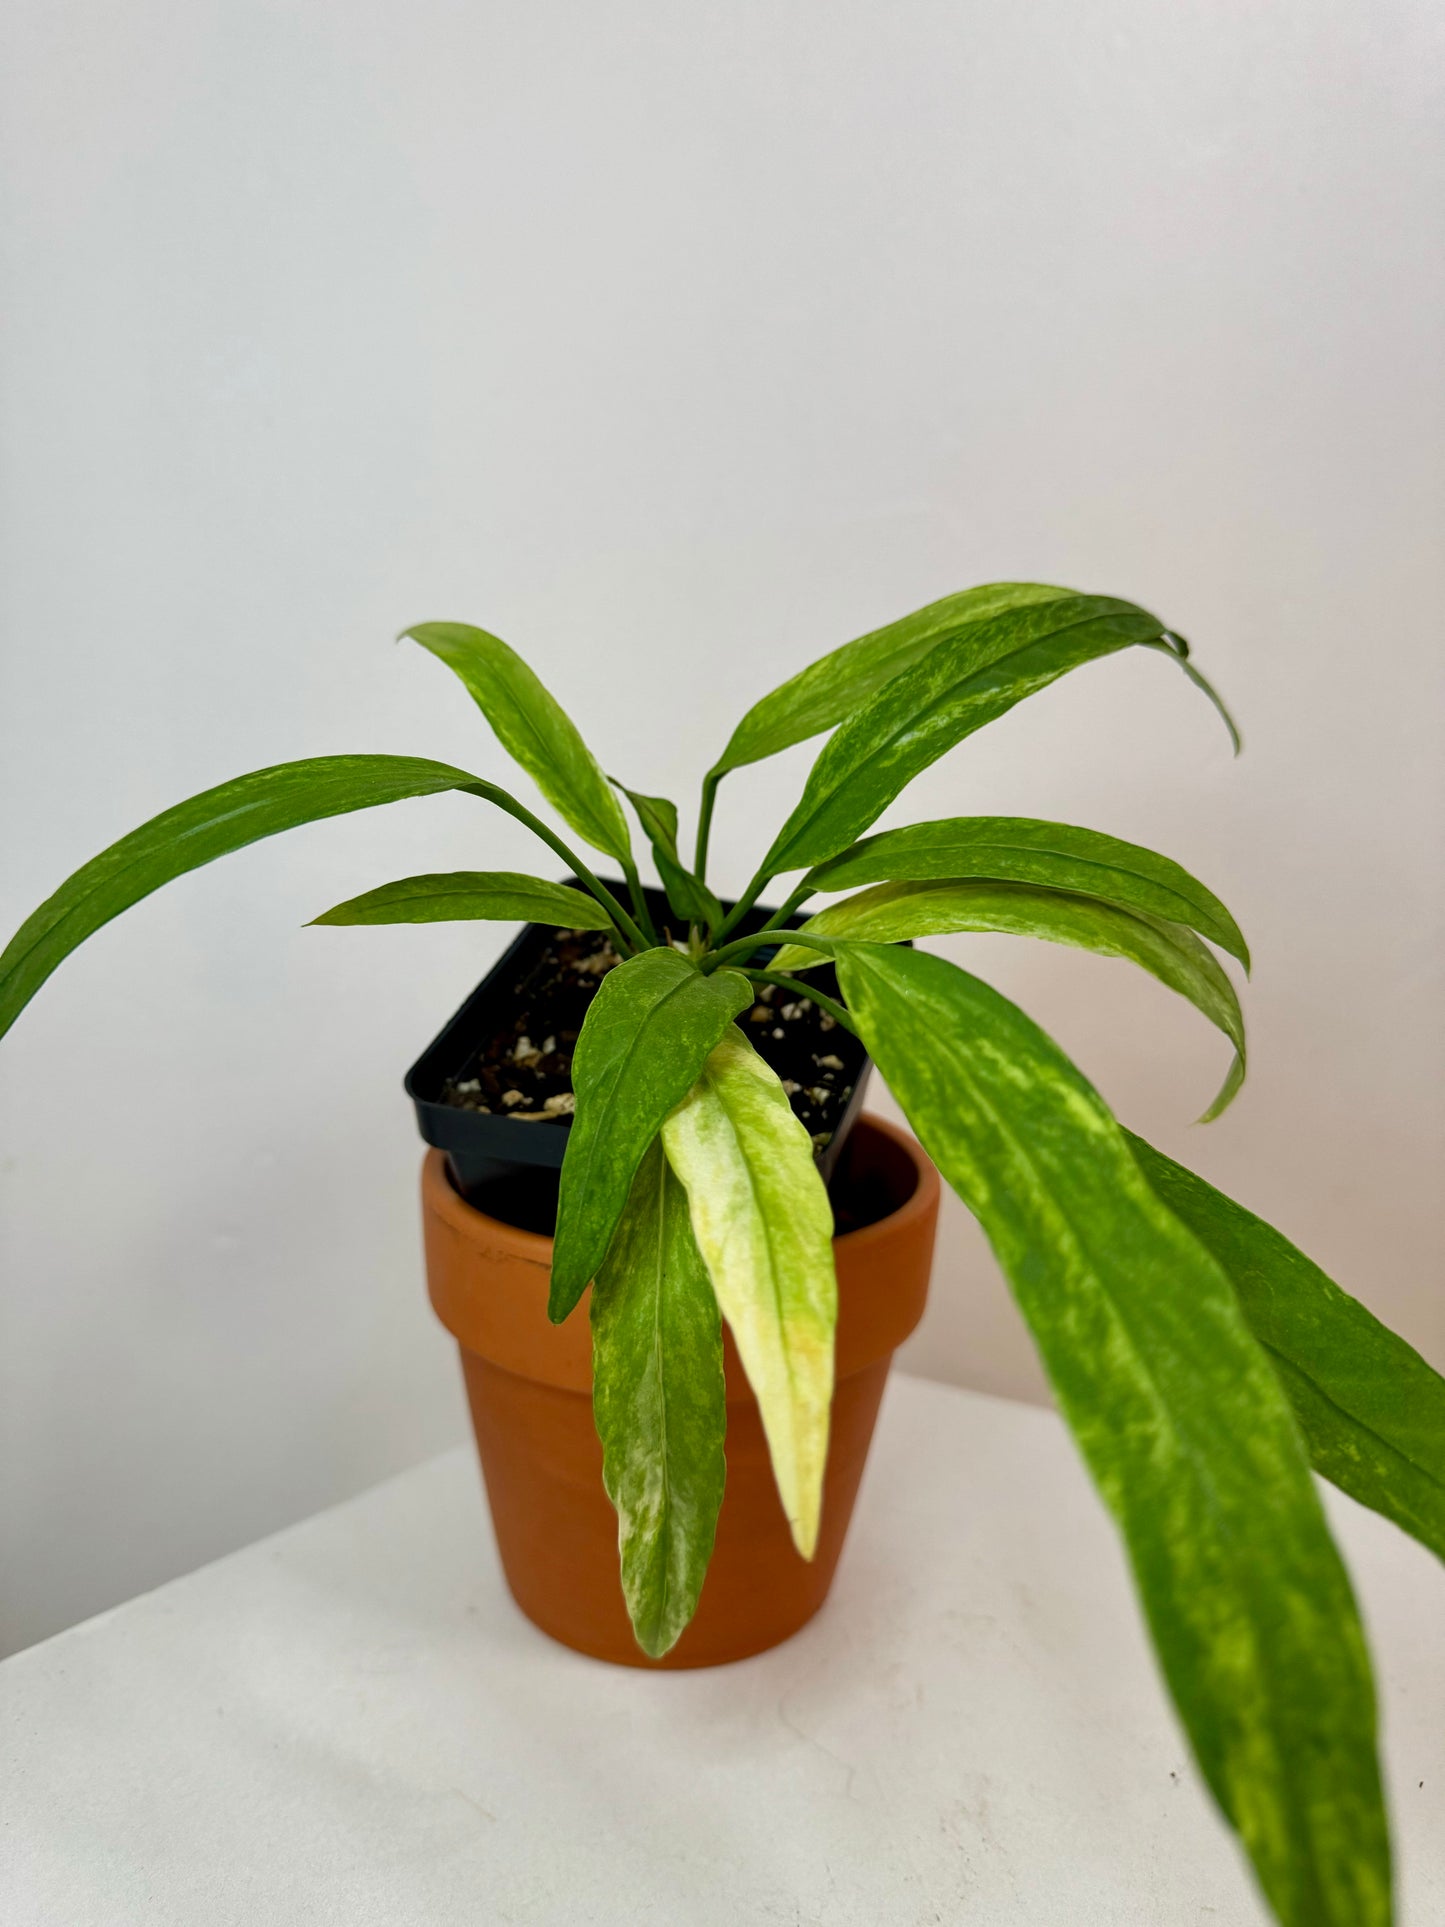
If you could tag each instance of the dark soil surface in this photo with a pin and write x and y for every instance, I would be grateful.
(525, 1071)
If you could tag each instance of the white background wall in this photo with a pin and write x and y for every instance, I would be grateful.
(677, 344)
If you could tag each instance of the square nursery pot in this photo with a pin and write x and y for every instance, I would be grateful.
(489, 1188)
(511, 1167)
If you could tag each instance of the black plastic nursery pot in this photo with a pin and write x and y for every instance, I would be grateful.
(509, 1166)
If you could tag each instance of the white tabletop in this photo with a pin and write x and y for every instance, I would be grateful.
(351, 1723)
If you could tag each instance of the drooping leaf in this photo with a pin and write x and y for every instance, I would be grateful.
(830, 689)
(659, 1402)
(1176, 647)
(198, 831)
(501, 896)
(533, 728)
(656, 814)
(893, 912)
(1021, 849)
(763, 1224)
(646, 1037)
(961, 684)
(1371, 1410)
(1179, 1417)
(688, 895)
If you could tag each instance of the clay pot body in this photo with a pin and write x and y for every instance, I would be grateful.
(529, 1384)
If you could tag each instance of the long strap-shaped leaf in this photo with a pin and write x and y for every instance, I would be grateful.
(956, 688)
(764, 1226)
(660, 1404)
(533, 728)
(452, 896)
(1023, 849)
(201, 829)
(1371, 1409)
(646, 1037)
(830, 689)
(893, 912)
(1179, 1416)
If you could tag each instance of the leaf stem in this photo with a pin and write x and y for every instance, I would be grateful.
(639, 901)
(776, 926)
(744, 903)
(632, 937)
(704, 822)
(806, 991)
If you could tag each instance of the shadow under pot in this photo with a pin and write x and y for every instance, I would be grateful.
(529, 1384)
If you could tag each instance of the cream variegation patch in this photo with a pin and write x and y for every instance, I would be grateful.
(763, 1224)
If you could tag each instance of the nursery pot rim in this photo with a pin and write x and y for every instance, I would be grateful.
(537, 1246)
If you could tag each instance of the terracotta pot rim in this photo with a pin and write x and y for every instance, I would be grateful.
(537, 1246)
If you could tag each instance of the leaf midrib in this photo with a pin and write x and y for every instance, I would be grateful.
(768, 1240)
(1353, 1419)
(658, 1349)
(620, 1065)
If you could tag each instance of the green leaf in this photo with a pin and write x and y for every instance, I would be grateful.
(1371, 1410)
(646, 1037)
(656, 814)
(894, 912)
(689, 896)
(830, 689)
(499, 896)
(960, 685)
(1177, 648)
(198, 831)
(660, 1405)
(533, 728)
(1180, 1419)
(1022, 849)
(763, 1224)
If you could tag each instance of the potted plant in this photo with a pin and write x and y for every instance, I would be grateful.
(1202, 1362)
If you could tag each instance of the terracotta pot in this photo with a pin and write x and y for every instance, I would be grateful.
(530, 1387)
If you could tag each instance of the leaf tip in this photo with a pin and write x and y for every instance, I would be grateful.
(805, 1536)
(1228, 1091)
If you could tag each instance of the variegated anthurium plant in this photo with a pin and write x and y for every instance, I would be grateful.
(1204, 1364)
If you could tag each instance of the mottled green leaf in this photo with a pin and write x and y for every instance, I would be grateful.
(646, 1037)
(830, 689)
(198, 831)
(1021, 849)
(533, 728)
(960, 685)
(894, 912)
(1371, 1410)
(659, 1402)
(499, 896)
(764, 1226)
(1179, 1416)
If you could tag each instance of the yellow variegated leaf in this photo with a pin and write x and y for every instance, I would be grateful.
(762, 1221)
(895, 912)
